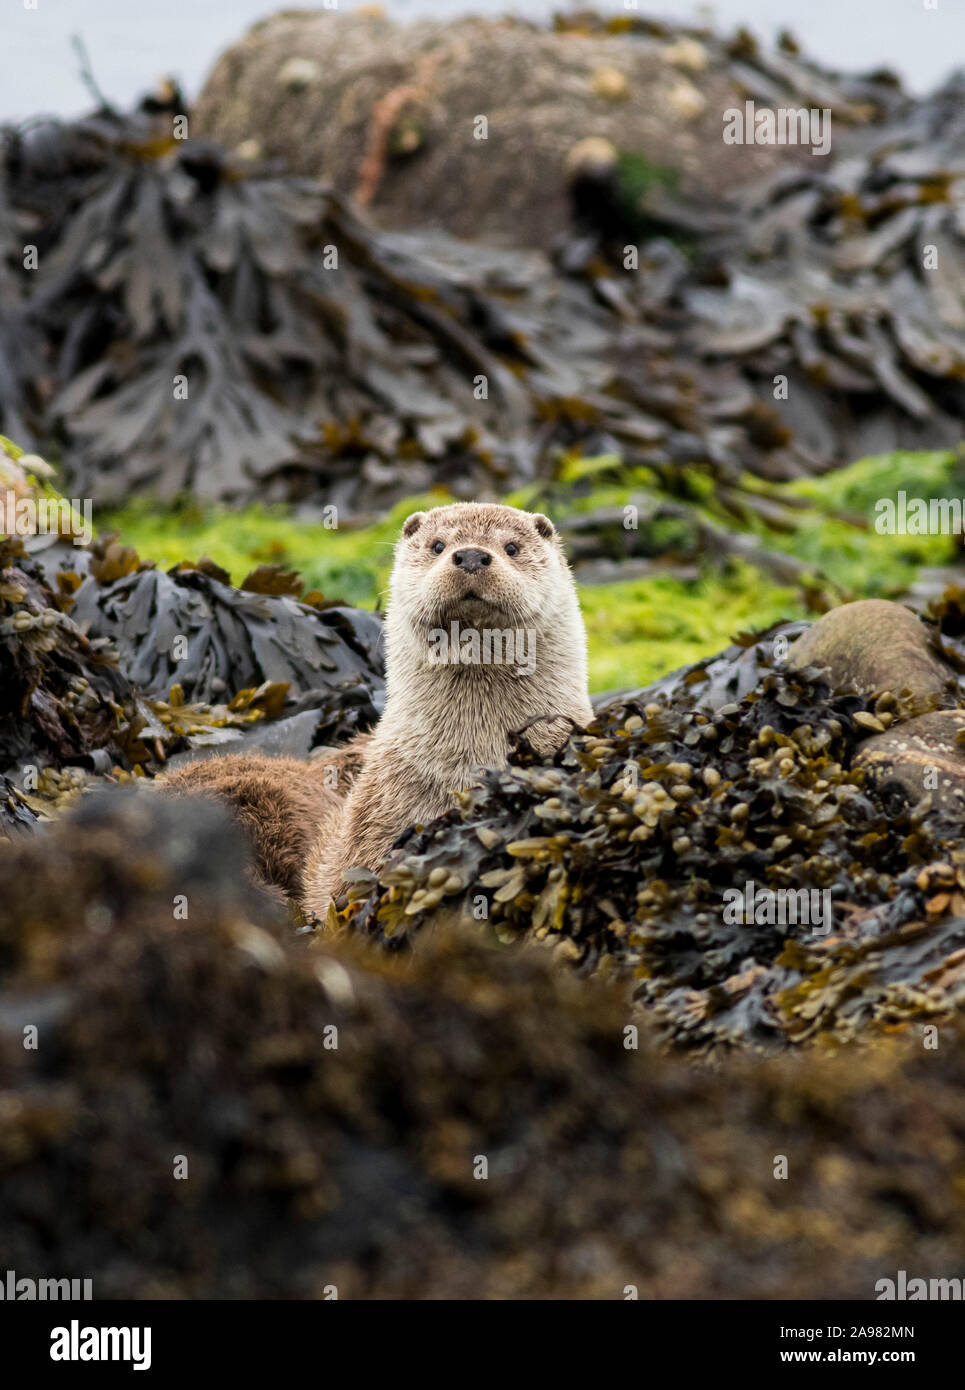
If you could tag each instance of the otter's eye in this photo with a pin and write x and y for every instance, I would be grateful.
(438, 548)
(512, 548)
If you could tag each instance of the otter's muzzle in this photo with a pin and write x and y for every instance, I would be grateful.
(471, 561)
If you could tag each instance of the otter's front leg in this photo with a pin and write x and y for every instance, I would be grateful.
(547, 736)
(388, 797)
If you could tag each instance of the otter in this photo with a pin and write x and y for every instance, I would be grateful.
(484, 637)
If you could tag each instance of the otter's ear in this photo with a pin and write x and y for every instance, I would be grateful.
(413, 523)
(543, 525)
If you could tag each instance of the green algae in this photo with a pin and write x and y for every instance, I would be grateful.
(639, 628)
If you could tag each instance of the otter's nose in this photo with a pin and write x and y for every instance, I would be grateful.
(471, 561)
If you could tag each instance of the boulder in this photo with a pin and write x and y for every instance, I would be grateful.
(922, 757)
(872, 645)
(389, 113)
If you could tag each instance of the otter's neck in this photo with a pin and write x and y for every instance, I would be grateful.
(459, 716)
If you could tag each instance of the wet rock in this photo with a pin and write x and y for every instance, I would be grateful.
(925, 756)
(872, 645)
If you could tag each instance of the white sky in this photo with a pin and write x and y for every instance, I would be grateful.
(133, 42)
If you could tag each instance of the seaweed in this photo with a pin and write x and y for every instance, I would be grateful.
(112, 668)
(200, 1087)
(65, 702)
(199, 322)
(623, 851)
(208, 325)
(846, 279)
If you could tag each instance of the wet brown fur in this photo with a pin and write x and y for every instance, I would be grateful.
(280, 803)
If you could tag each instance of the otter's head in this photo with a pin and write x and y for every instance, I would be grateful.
(477, 564)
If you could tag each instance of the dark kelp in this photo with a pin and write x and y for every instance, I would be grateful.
(197, 321)
(110, 668)
(842, 273)
(849, 281)
(208, 325)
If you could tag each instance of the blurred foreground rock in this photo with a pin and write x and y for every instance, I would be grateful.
(208, 1107)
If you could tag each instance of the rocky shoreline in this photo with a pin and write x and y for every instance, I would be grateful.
(561, 1044)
